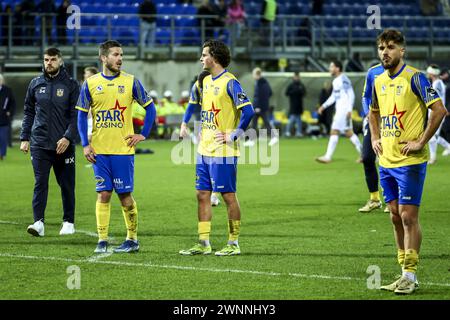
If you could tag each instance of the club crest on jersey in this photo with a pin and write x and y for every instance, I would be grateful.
(391, 125)
(216, 91)
(60, 92)
(121, 89)
(399, 90)
(383, 88)
(99, 88)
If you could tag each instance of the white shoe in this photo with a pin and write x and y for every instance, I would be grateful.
(446, 152)
(67, 228)
(36, 229)
(273, 141)
(249, 143)
(323, 159)
(215, 201)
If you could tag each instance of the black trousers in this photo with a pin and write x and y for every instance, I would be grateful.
(368, 158)
(266, 122)
(64, 169)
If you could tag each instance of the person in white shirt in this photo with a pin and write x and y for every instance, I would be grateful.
(438, 85)
(344, 97)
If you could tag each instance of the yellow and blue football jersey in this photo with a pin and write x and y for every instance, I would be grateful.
(402, 101)
(222, 98)
(110, 100)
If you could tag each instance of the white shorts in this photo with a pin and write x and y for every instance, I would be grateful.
(341, 123)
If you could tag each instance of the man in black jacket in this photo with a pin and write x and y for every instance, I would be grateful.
(7, 108)
(50, 124)
(295, 91)
(261, 98)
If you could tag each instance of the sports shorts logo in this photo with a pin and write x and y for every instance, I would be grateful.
(99, 181)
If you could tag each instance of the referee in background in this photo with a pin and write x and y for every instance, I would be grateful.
(49, 131)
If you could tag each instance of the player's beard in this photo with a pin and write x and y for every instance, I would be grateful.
(111, 68)
(391, 65)
(53, 71)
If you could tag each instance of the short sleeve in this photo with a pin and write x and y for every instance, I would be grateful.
(140, 95)
(237, 94)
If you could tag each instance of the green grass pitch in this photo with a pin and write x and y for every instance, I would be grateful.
(302, 236)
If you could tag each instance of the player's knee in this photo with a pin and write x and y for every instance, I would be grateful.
(408, 219)
(203, 195)
(104, 196)
(396, 219)
(229, 198)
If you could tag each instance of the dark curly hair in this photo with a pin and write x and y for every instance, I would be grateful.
(392, 35)
(219, 51)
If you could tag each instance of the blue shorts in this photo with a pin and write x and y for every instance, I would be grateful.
(114, 172)
(403, 183)
(216, 174)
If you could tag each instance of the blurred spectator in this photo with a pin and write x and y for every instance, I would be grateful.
(261, 98)
(46, 8)
(148, 24)
(206, 9)
(5, 24)
(354, 64)
(317, 7)
(429, 7)
(327, 115)
(295, 91)
(236, 16)
(28, 10)
(221, 10)
(7, 109)
(269, 11)
(184, 100)
(61, 22)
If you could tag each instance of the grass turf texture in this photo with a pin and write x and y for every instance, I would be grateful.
(302, 235)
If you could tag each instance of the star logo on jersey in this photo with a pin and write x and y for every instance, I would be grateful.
(215, 112)
(121, 109)
(398, 116)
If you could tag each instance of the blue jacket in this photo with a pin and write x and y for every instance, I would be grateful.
(49, 111)
(263, 92)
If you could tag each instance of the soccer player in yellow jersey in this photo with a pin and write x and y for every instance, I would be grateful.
(109, 96)
(400, 133)
(225, 114)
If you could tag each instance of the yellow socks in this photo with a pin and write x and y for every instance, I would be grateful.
(401, 257)
(375, 196)
(234, 229)
(204, 229)
(130, 215)
(411, 261)
(102, 213)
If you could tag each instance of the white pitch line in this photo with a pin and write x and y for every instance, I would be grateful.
(150, 265)
(8, 222)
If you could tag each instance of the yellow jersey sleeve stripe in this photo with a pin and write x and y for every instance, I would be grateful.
(147, 103)
(432, 101)
(243, 105)
(81, 109)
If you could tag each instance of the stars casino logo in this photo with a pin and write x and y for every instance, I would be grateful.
(391, 125)
(111, 118)
(209, 118)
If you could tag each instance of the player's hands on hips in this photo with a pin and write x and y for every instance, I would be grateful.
(411, 147)
(134, 139)
(376, 146)
(183, 130)
(61, 145)
(89, 153)
(222, 138)
(320, 110)
(25, 146)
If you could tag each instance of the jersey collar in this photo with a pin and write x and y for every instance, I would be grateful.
(218, 76)
(399, 71)
(110, 77)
